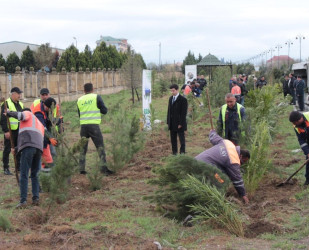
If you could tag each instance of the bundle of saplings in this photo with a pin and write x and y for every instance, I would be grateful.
(172, 192)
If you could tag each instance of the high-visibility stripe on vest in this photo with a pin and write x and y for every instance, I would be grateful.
(35, 102)
(88, 110)
(301, 130)
(232, 152)
(14, 122)
(223, 111)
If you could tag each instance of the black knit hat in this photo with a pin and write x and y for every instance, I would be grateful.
(295, 116)
(44, 91)
(49, 102)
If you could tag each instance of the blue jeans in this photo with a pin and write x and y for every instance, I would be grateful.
(242, 100)
(30, 159)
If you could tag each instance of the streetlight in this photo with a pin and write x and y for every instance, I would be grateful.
(300, 37)
(160, 55)
(271, 58)
(278, 47)
(289, 43)
(75, 41)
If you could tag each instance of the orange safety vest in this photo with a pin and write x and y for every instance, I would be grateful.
(236, 90)
(37, 108)
(187, 90)
(31, 124)
(232, 152)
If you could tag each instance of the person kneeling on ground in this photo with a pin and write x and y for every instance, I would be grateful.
(228, 158)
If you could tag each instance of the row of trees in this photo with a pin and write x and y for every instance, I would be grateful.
(102, 57)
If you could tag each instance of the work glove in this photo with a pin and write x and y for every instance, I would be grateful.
(60, 120)
(53, 141)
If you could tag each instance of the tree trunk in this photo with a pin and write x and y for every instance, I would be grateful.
(137, 94)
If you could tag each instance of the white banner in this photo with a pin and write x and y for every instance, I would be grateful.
(190, 73)
(146, 98)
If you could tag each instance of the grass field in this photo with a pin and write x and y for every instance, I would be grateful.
(118, 217)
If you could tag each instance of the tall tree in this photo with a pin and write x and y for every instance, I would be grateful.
(189, 60)
(27, 59)
(132, 72)
(69, 59)
(12, 62)
(43, 56)
(2, 60)
(55, 59)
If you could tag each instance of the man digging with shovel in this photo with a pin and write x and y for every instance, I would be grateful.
(301, 127)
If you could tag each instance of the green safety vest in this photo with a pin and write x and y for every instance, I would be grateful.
(89, 112)
(14, 122)
(223, 111)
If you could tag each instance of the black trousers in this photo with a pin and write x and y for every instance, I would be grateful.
(7, 150)
(181, 135)
(300, 100)
(92, 131)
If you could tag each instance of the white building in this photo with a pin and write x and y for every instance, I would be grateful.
(121, 44)
(18, 47)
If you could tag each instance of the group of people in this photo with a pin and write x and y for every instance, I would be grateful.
(295, 87)
(225, 154)
(195, 86)
(33, 133)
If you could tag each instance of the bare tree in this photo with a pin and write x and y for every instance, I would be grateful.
(132, 72)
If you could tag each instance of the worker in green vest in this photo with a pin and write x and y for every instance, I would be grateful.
(231, 114)
(13, 104)
(90, 107)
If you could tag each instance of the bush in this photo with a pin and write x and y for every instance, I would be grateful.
(126, 139)
(171, 191)
(95, 178)
(259, 162)
(212, 205)
(5, 223)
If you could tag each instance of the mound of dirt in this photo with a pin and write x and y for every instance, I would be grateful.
(61, 233)
(260, 227)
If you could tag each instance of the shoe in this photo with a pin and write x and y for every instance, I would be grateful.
(21, 205)
(83, 172)
(306, 183)
(35, 202)
(7, 172)
(104, 170)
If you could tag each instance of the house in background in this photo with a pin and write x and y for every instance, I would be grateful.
(280, 60)
(121, 44)
(7, 48)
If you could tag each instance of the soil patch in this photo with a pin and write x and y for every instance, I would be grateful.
(261, 227)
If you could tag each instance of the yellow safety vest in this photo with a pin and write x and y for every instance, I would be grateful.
(89, 112)
(223, 111)
(14, 122)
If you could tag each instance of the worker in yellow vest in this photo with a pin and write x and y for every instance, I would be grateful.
(13, 104)
(90, 107)
(230, 117)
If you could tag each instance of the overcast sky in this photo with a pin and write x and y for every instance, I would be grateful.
(234, 30)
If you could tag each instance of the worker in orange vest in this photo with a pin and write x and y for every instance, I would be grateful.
(236, 91)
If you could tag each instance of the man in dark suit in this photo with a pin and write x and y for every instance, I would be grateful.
(176, 119)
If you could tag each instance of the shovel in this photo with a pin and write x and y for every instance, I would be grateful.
(287, 180)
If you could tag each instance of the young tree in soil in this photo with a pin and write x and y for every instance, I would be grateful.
(171, 192)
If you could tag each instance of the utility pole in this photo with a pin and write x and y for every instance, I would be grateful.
(160, 55)
(289, 43)
(300, 37)
(278, 47)
(75, 41)
(271, 58)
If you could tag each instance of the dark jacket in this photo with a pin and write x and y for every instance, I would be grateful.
(4, 124)
(292, 82)
(221, 156)
(260, 83)
(303, 134)
(285, 85)
(176, 113)
(232, 123)
(299, 87)
(243, 89)
(203, 83)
